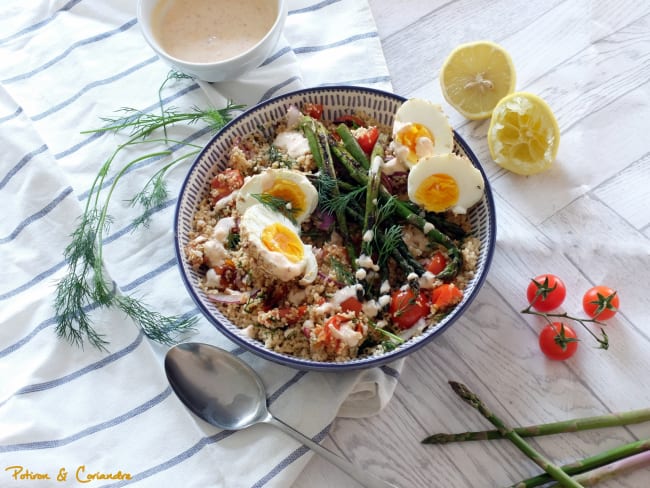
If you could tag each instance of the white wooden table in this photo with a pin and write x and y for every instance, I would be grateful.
(587, 220)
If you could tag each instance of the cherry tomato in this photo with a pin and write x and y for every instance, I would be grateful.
(224, 183)
(600, 302)
(351, 305)
(367, 138)
(407, 307)
(292, 315)
(314, 110)
(437, 264)
(546, 292)
(558, 341)
(445, 296)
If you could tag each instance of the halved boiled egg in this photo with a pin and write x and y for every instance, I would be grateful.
(445, 182)
(420, 129)
(276, 245)
(293, 187)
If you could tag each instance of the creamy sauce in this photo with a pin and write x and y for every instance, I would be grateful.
(203, 31)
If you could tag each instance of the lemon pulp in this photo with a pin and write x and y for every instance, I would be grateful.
(475, 76)
(523, 136)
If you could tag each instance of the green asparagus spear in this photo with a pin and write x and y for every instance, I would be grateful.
(590, 463)
(554, 471)
(573, 425)
(317, 137)
(610, 470)
(353, 146)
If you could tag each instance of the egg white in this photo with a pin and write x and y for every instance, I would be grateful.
(265, 182)
(457, 171)
(418, 112)
(275, 263)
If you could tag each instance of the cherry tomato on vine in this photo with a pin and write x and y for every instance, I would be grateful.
(407, 307)
(600, 302)
(546, 292)
(558, 341)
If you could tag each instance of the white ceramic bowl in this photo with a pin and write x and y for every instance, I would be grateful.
(337, 101)
(227, 69)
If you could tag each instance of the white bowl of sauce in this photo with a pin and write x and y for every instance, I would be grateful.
(212, 40)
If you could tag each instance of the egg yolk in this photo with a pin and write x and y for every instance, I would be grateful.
(409, 136)
(289, 191)
(438, 192)
(280, 238)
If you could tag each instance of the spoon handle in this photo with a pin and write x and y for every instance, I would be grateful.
(366, 479)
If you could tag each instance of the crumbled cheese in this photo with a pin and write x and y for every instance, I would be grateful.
(212, 279)
(364, 261)
(347, 334)
(360, 274)
(368, 235)
(428, 227)
(412, 277)
(384, 300)
(292, 142)
(326, 308)
(371, 308)
(394, 165)
(428, 280)
(385, 287)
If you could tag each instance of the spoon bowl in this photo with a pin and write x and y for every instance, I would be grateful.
(226, 392)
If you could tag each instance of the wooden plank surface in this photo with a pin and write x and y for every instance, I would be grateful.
(587, 220)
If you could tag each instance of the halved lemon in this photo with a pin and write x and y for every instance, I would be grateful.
(475, 76)
(523, 136)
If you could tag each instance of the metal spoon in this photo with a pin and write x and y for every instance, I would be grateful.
(226, 392)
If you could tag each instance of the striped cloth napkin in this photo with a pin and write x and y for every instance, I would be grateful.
(69, 414)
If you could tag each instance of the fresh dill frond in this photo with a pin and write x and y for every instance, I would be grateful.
(161, 328)
(390, 243)
(333, 203)
(85, 285)
(343, 272)
(278, 204)
(141, 124)
(386, 210)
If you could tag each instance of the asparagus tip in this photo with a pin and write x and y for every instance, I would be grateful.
(462, 391)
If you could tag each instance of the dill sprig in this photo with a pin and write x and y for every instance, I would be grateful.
(279, 205)
(391, 242)
(86, 286)
(342, 272)
(331, 202)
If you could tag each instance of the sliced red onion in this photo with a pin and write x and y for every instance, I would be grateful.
(324, 220)
(233, 297)
(329, 278)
